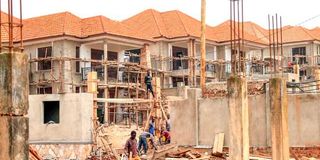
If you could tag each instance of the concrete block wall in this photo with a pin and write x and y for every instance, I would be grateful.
(183, 122)
(303, 119)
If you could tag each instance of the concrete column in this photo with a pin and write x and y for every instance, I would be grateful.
(85, 53)
(145, 60)
(279, 119)
(169, 62)
(238, 118)
(106, 91)
(120, 59)
(14, 92)
(221, 54)
(145, 57)
(68, 51)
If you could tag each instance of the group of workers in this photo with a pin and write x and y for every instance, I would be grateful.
(133, 147)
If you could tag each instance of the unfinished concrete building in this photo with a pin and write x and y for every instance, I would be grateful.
(64, 48)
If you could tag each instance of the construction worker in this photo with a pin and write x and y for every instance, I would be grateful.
(148, 82)
(165, 137)
(131, 147)
(144, 143)
(152, 126)
(168, 126)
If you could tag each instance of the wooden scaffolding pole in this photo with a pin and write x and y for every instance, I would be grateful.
(106, 91)
(203, 47)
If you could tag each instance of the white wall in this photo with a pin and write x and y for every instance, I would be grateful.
(75, 119)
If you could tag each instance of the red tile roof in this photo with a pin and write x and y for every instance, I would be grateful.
(316, 32)
(147, 25)
(297, 34)
(171, 24)
(100, 25)
(4, 29)
(66, 23)
(52, 25)
(252, 32)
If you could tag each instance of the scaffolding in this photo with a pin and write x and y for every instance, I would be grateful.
(128, 76)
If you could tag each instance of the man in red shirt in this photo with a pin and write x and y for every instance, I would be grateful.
(131, 147)
(166, 135)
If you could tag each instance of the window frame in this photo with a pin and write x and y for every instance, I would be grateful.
(78, 70)
(46, 120)
(302, 60)
(41, 64)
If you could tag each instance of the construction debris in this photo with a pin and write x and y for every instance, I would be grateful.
(183, 154)
(218, 143)
(33, 154)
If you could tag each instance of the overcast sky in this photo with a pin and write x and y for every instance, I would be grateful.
(293, 11)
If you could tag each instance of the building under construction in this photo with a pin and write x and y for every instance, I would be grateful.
(84, 72)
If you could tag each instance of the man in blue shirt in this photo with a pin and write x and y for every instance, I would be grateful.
(143, 141)
(151, 126)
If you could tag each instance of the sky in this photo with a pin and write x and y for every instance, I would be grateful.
(294, 12)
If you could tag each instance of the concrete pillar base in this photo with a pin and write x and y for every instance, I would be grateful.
(14, 138)
(279, 119)
(238, 118)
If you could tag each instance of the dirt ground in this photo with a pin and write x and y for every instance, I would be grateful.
(304, 153)
(118, 135)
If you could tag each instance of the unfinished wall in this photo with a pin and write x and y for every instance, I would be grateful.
(183, 115)
(304, 120)
(61, 48)
(75, 124)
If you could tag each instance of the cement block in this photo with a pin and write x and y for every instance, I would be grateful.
(14, 138)
(14, 87)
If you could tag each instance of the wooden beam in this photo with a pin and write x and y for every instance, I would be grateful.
(106, 91)
(123, 100)
(203, 46)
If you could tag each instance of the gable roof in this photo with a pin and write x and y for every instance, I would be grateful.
(252, 32)
(149, 21)
(100, 25)
(58, 24)
(170, 24)
(297, 34)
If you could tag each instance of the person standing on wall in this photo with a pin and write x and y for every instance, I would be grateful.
(148, 82)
